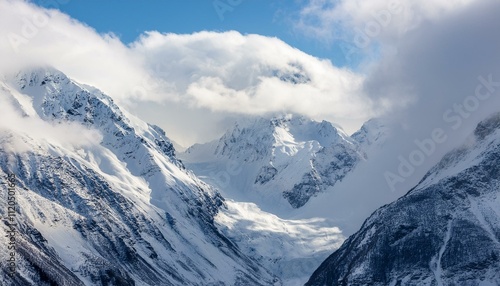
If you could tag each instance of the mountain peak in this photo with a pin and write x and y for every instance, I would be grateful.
(374, 131)
(39, 76)
(487, 126)
(307, 155)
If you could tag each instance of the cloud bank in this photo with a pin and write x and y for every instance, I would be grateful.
(199, 79)
(250, 74)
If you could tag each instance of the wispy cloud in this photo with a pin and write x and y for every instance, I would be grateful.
(361, 28)
(17, 129)
(335, 19)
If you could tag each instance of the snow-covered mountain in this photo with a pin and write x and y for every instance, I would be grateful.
(283, 161)
(122, 211)
(269, 169)
(445, 231)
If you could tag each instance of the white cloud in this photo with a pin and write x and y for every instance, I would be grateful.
(230, 73)
(16, 128)
(35, 36)
(252, 74)
(364, 29)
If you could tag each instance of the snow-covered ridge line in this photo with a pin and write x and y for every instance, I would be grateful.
(287, 159)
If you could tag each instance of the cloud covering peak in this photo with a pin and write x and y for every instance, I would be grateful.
(198, 78)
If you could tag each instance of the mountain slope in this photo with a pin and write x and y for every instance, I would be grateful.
(445, 231)
(122, 211)
(269, 169)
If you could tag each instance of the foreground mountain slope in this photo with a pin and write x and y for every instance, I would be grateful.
(445, 231)
(122, 211)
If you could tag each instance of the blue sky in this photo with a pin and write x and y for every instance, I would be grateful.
(128, 19)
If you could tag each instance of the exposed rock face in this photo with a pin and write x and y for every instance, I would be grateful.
(445, 231)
